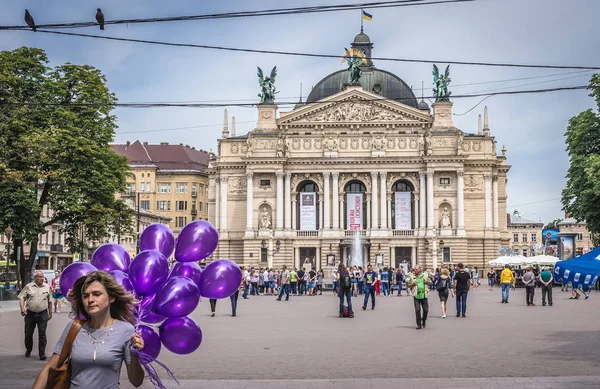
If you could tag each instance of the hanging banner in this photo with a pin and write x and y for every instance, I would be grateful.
(308, 211)
(402, 210)
(354, 211)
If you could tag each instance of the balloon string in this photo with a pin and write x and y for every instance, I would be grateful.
(146, 362)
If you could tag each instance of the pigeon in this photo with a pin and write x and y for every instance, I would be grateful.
(29, 20)
(100, 18)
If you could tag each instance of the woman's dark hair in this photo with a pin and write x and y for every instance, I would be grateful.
(341, 267)
(120, 309)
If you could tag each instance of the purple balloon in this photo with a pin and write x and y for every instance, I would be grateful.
(189, 270)
(111, 256)
(145, 311)
(178, 297)
(220, 279)
(72, 273)
(122, 279)
(196, 241)
(152, 344)
(147, 272)
(180, 335)
(158, 237)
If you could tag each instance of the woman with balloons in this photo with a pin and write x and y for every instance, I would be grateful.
(166, 296)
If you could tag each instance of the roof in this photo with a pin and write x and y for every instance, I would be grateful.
(570, 220)
(164, 156)
(516, 218)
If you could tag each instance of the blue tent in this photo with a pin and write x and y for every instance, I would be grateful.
(582, 271)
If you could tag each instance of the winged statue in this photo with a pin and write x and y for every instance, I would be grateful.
(441, 82)
(354, 58)
(267, 86)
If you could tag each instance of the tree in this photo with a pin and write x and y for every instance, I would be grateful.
(55, 129)
(581, 197)
(553, 225)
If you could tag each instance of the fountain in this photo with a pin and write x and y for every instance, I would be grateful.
(356, 252)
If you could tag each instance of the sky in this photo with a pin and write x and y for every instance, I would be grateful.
(532, 126)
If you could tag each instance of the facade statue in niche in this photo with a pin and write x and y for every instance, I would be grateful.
(421, 146)
(428, 144)
(445, 219)
(281, 149)
(460, 142)
(265, 219)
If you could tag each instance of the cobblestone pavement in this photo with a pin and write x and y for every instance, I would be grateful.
(303, 344)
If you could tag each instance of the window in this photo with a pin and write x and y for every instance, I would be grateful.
(145, 204)
(148, 187)
(163, 187)
(181, 205)
(130, 188)
(533, 237)
(265, 182)
(180, 221)
(168, 205)
(525, 252)
(516, 237)
(200, 188)
(263, 255)
(524, 237)
(181, 188)
(579, 237)
(142, 175)
(53, 237)
(200, 206)
(194, 192)
(446, 254)
(161, 205)
(444, 181)
(591, 236)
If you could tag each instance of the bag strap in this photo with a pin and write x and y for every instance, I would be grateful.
(68, 345)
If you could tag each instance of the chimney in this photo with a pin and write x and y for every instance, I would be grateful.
(164, 143)
(225, 134)
(486, 127)
(181, 144)
(127, 144)
(233, 126)
(145, 143)
(479, 127)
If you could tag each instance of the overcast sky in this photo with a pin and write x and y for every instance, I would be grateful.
(555, 32)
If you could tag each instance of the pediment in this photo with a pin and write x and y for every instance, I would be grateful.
(355, 106)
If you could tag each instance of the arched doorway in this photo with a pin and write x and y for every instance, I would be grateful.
(403, 216)
(355, 205)
(307, 207)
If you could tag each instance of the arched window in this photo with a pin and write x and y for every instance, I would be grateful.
(306, 207)
(350, 190)
(406, 189)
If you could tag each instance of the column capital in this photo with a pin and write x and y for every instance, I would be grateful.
(294, 200)
(495, 178)
(460, 172)
(288, 175)
(326, 175)
(487, 177)
(249, 174)
(335, 175)
(422, 174)
(429, 173)
(374, 174)
(383, 174)
(224, 180)
(279, 175)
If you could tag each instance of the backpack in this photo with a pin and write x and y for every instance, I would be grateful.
(346, 312)
(346, 281)
(441, 284)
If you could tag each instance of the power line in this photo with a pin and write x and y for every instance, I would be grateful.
(243, 14)
(535, 202)
(249, 105)
(180, 128)
(314, 55)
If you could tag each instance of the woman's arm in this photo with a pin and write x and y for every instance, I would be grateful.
(42, 378)
(135, 372)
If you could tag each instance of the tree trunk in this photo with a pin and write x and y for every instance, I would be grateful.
(26, 263)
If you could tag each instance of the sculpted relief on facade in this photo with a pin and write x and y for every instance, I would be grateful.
(473, 183)
(237, 185)
(353, 112)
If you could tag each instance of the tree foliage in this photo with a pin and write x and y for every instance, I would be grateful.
(55, 129)
(581, 197)
(553, 225)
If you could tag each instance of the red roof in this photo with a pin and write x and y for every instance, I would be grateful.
(164, 156)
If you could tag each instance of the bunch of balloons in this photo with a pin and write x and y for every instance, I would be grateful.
(167, 295)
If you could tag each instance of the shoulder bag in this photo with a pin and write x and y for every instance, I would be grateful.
(60, 377)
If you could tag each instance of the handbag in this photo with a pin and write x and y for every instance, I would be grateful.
(60, 377)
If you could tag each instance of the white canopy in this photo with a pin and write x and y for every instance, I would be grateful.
(514, 260)
(547, 260)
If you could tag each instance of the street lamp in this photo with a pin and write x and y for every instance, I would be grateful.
(8, 233)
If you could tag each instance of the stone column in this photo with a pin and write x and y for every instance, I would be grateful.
(334, 200)
(383, 195)
(460, 198)
(342, 215)
(495, 200)
(488, 200)
(288, 201)
(224, 185)
(327, 201)
(217, 204)
(249, 202)
(296, 257)
(320, 213)
(279, 224)
(368, 214)
(422, 202)
(416, 225)
(430, 223)
(318, 259)
(389, 213)
(374, 202)
(294, 207)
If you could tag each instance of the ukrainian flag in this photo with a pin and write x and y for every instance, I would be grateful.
(367, 16)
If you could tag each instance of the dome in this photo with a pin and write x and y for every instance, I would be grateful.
(362, 38)
(423, 105)
(373, 80)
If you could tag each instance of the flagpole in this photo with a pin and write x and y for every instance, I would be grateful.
(361, 20)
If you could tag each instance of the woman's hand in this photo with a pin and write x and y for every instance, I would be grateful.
(137, 342)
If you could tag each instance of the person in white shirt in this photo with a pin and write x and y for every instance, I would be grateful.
(266, 281)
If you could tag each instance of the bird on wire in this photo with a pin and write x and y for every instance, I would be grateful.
(100, 18)
(29, 20)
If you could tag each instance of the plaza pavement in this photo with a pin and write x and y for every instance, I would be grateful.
(303, 344)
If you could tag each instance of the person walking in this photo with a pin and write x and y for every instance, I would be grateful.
(546, 279)
(56, 292)
(507, 278)
(104, 336)
(36, 308)
(369, 280)
(302, 282)
(475, 277)
(491, 277)
(234, 299)
(444, 288)
(213, 306)
(344, 280)
(529, 281)
(254, 282)
(246, 281)
(285, 284)
(462, 285)
(385, 282)
(419, 283)
(320, 277)
(294, 281)
(335, 283)
(399, 280)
